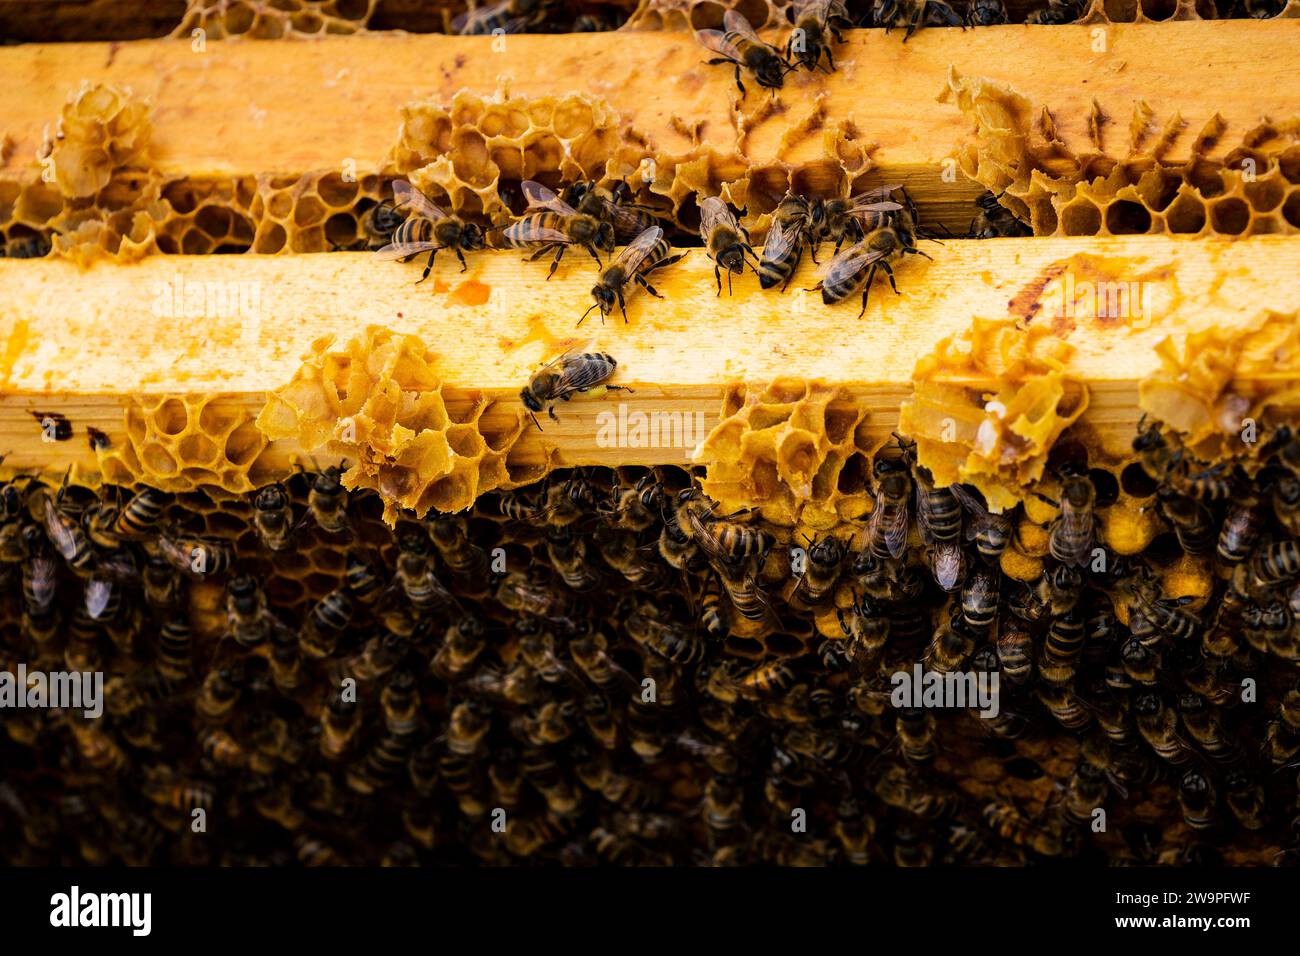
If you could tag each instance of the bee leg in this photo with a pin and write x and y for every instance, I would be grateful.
(427, 268)
(738, 83)
(866, 288)
(622, 307)
(830, 57)
(555, 263)
(890, 272)
(592, 252)
(717, 275)
(651, 289)
(464, 266)
(551, 411)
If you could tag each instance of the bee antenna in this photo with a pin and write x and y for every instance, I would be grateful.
(535, 421)
(585, 314)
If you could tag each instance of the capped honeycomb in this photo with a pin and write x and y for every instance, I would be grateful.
(274, 19)
(184, 443)
(1254, 189)
(989, 403)
(377, 402)
(794, 450)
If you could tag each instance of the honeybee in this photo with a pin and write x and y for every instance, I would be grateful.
(1196, 797)
(196, 556)
(35, 246)
(64, 531)
(726, 241)
(994, 220)
(890, 519)
(738, 44)
(1286, 503)
(991, 533)
(1061, 648)
(813, 21)
(428, 229)
(1277, 563)
(376, 226)
(461, 647)
(249, 619)
(1190, 520)
(825, 556)
(415, 574)
(610, 200)
(855, 268)
(1042, 838)
(1241, 529)
(325, 623)
(1074, 530)
(175, 650)
(567, 375)
(791, 229)
(273, 517)
(642, 256)
(853, 217)
(1056, 12)
(1245, 798)
(557, 227)
(766, 680)
(327, 501)
(504, 16)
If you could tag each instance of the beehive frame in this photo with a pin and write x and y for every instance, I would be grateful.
(1159, 284)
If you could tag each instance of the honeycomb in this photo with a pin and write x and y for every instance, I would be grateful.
(705, 14)
(1254, 189)
(795, 450)
(187, 443)
(274, 19)
(1210, 384)
(377, 402)
(989, 404)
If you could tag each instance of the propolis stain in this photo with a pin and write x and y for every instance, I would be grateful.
(472, 292)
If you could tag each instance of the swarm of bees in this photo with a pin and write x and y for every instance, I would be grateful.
(634, 676)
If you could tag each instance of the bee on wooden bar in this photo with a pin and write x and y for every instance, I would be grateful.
(791, 229)
(428, 229)
(556, 227)
(855, 268)
(737, 43)
(725, 240)
(853, 217)
(815, 23)
(567, 375)
(646, 253)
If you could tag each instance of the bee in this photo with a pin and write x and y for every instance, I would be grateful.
(427, 228)
(325, 622)
(855, 268)
(161, 583)
(1190, 520)
(1074, 530)
(1043, 838)
(1196, 797)
(737, 43)
(504, 16)
(853, 217)
(610, 200)
(175, 650)
(377, 225)
(1286, 503)
(568, 555)
(1056, 12)
(813, 20)
(567, 375)
(64, 531)
(1241, 529)
(221, 688)
(556, 227)
(1245, 798)
(729, 543)
(197, 556)
(415, 575)
(890, 519)
(35, 246)
(591, 653)
(769, 679)
(622, 553)
(1167, 615)
(676, 643)
(1061, 649)
(991, 533)
(1205, 726)
(825, 556)
(994, 220)
(1085, 793)
(979, 598)
(1158, 725)
(273, 517)
(916, 731)
(247, 616)
(1015, 647)
(791, 229)
(1277, 563)
(327, 501)
(949, 647)
(639, 258)
(450, 534)
(1064, 705)
(40, 582)
(726, 241)
(913, 13)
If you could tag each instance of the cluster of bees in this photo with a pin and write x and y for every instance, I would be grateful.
(598, 216)
(603, 668)
(819, 19)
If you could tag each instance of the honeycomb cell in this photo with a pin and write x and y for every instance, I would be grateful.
(1126, 217)
(1080, 218)
(1230, 217)
(274, 19)
(1186, 215)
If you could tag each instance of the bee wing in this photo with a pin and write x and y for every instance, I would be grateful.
(628, 223)
(539, 197)
(716, 41)
(525, 230)
(400, 250)
(863, 206)
(714, 213)
(477, 20)
(64, 541)
(817, 8)
(850, 261)
(947, 561)
(734, 22)
(634, 253)
(407, 198)
(580, 376)
(778, 242)
(893, 529)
